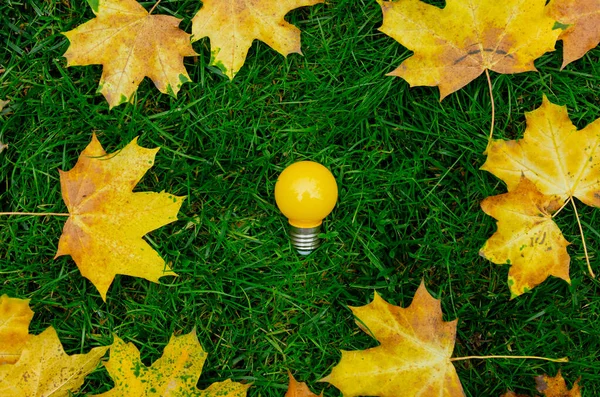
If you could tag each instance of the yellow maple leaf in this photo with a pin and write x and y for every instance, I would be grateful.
(15, 316)
(454, 45)
(298, 389)
(527, 238)
(583, 34)
(174, 374)
(45, 370)
(556, 387)
(107, 220)
(130, 44)
(414, 355)
(232, 25)
(556, 157)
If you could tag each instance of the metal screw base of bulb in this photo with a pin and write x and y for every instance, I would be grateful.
(305, 239)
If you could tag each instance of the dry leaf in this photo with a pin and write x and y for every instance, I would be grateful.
(551, 387)
(512, 394)
(413, 358)
(556, 386)
(45, 370)
(556, 157)
(15, 316)
(3, 104)
(299, 389)
(527, 238)
(583, 34)
(107, 221)
(174, 374)
(232, 25)
(454, 45)
(130, 44)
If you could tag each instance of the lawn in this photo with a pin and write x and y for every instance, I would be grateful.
(407, 166)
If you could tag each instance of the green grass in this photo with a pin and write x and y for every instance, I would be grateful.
(410, 187)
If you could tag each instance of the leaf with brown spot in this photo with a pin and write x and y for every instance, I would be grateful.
(556, 386)
(130, 44)
(232, 25)
(15, 316)
(107, 219)
(413, 358)
(551, 387)
(175, 374)
(527, 238)
(299, 389)
(454, 45)
(45, 370)
(583, 34)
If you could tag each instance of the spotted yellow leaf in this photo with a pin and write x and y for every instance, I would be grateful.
(527, 238)
(175, 374)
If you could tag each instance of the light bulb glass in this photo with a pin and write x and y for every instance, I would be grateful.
(306, 193)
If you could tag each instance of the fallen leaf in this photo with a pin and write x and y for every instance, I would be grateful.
(556, 386)
(174, 374)
(556, 157)
(299, 389)
(551, 387)
(583, 34)
(107, 220)
(512, 394)
(15, 316)
(232, 25)
(527, 238)
(454, 45)
(130, 44)
(3, 104)
(413, 358)
(45, 370)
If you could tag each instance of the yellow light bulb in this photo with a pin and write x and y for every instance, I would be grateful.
(305, 192)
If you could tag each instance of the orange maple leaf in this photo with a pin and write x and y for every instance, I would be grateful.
(232, 25)
(551, 387)
(414, 355)
(556, 386)
(174, 374)
(527, 238)
(45, 370)
(456, 44)
(299, 389)
(583, 34)
(15, 316)
(130, 44)
(107, 220)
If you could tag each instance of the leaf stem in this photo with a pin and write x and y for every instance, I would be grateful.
(154, 6)
(489, 80)
(554, 360)
(35, 213)
(587, 257)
